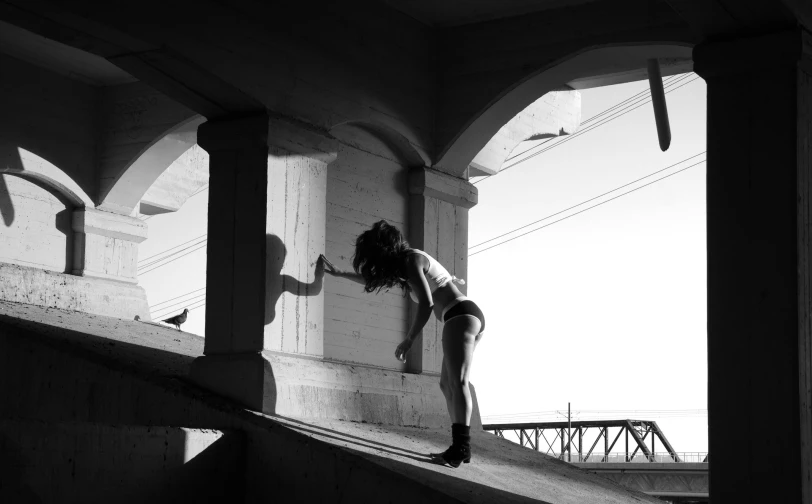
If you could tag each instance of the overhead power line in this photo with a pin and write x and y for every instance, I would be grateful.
(666, 82)
(199, 246)
(584, 210)
(177, 297)
(629, 105)
(586, 201)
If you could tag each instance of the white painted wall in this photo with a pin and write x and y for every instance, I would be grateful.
(35, 225)
(366, 183)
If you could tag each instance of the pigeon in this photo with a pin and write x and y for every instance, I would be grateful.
(177, 320)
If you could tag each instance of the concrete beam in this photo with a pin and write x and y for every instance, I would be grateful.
(556, 113)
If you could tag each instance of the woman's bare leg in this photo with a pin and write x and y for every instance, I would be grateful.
(460, 336)
(445, 386)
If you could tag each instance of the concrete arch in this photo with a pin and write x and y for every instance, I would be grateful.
(29, 165)
(145, 168)
(409, 154)
(590, 67)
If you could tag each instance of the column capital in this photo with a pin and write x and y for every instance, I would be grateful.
(109, 224)
(234, 133)
(745, 55)
(303, 139)
(106, 244)
(429, 182)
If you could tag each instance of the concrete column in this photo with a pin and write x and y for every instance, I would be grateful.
(106, 245)
(266, 230)
(438, 225)
(295, 236)
(759, 216)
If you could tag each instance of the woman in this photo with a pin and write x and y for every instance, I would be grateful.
(384, 260)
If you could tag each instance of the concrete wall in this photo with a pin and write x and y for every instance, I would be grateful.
(185, 176)
(35, 225)
(133, 118)
(72, 462)
(52, 117)
(366, 183)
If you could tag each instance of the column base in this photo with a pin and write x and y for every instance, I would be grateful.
(302, 387)
(23, 284)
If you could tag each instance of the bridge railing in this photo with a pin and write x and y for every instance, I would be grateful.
(665, 457)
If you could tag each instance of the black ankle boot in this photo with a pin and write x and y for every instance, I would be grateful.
(460, 450)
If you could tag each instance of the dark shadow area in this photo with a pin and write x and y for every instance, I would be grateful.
(100, 463)
(349, 438)
(446, 482)
(276, 283)
(6, 205)
(141, 358)
(13, 463)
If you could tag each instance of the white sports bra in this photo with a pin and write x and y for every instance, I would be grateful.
(437, 276)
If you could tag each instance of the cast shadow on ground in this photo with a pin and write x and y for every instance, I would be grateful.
(361, 442)
(276, 283)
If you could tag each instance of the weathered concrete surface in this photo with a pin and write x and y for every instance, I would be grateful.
(142, 133)
(312, 388)
(367, 182)
(660, 479)
(96, 296)
(438, 224)
(35, 225)
(184, 177)
(556, 113)
(111, 379)
(69, 462)
(106, 245)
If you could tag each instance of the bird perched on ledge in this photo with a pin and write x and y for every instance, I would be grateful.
(177, 320)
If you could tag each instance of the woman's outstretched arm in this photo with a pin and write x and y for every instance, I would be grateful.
(332, 270)
(415, 265)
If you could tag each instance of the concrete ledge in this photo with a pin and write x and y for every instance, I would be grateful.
(21, 284)
(311, 388)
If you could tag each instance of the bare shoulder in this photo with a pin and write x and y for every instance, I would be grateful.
(415, 260)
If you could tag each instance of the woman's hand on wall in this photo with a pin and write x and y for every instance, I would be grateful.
(403, 349)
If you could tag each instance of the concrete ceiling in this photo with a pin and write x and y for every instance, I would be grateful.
(460, 12)
(57, 57)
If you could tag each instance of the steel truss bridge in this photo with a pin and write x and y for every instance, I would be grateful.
(635, 463)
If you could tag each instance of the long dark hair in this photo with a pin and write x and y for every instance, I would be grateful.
(379, 255)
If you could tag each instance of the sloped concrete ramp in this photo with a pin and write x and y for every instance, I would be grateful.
(500, 471)
(61, 366)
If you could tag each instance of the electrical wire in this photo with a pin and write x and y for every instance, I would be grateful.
(172, 248)
(586, 201)
(667, 81)
(616, 115)
(177, 297)
(631, 104)
(584, 210)
(178, 304)
(201, 247)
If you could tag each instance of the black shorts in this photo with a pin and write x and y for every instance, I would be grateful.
(466, 307)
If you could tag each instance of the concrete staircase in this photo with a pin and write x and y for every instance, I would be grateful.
(97, 409)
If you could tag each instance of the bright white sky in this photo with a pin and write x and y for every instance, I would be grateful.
(605, 310)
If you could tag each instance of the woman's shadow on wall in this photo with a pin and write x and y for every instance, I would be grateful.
(276, 283)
